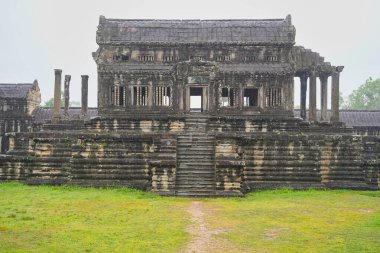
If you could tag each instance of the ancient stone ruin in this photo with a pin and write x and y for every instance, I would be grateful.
(194, 108)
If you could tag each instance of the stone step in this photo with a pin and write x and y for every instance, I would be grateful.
(196, 194)
(184, 168)
(200, 182)
(193, 153)
(195, 177)
(187, 141)
(192, 158)
(200, 149)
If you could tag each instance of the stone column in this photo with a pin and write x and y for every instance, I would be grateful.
(313, 97)
(57, 95)
(323, 78)
(67, 95)
(84, 101)
(150, 95)
(335, 94)
(303, 79)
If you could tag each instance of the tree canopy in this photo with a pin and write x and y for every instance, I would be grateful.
(50, 102)
(366, 97)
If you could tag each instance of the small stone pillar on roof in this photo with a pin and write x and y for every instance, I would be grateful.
(84, 101)
(57, 95)
(67, 95)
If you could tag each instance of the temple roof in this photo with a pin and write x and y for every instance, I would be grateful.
(15, 90)
(353, 118)
(45, 114)
(249, 31)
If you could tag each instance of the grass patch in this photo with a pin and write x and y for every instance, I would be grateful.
(74, 219)
(301, 221)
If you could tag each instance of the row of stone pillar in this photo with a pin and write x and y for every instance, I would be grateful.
(57, 96)
(323, 76)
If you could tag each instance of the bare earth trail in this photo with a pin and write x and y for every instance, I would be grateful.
(203, 238)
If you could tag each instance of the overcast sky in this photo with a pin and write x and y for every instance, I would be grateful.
(38, 36)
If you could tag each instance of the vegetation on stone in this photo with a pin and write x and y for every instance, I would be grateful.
(73, 219)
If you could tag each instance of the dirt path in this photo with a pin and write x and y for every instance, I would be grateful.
(203, 238)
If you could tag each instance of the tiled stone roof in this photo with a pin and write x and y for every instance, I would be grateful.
(353, 117)
(15, 90)
(251, 31)
(45, 114)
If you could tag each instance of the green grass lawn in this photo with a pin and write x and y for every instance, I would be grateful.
(73, 219)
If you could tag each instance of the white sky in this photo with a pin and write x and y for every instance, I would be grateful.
(38, 36)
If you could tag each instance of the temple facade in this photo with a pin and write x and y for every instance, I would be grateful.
(199, 108)
(217, 67)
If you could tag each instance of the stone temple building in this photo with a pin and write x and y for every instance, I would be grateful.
(199, 108)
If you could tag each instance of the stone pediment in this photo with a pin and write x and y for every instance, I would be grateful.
(194, 68)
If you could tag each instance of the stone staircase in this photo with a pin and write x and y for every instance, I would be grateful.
(195, 160)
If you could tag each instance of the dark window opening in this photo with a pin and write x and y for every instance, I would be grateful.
(273, 97)
(250, 97)
(121, 96)
(4, 144)
(228, 98)
(118, 96)
(223, 58)
(120, 58)
(162, 96)
(168, 58)
(249, 58)
(145, 58)
(140, 95)
(272, 58)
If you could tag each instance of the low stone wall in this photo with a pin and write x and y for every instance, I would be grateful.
(140, 156)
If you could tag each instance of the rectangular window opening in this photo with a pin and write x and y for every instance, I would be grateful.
(118, 95)
(162, 95)
(221, 58)
(250, 97)
(140, 95)
(272, 58)
(168, 58)
(249, 58)
(120, 57)
(145, 58)
(273, 97)
(228, 97)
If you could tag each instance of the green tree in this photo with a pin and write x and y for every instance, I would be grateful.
(342, 101)
(50, 102)
(366, 97)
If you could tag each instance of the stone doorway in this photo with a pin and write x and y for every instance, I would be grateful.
(197, 99)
